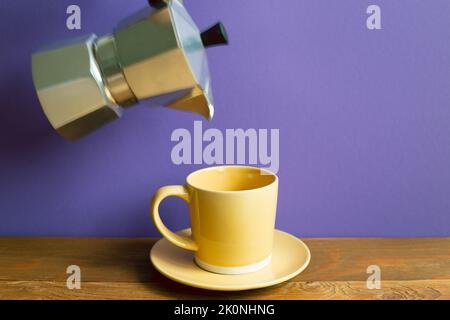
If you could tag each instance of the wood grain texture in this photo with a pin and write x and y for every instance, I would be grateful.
(35, 268)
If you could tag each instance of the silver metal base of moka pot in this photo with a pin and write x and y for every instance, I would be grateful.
(70, 88)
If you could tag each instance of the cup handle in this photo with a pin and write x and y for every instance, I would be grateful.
(165, 192)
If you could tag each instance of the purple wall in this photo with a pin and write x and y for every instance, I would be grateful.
(364, 119)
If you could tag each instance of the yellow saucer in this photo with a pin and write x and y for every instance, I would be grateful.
(290, 257)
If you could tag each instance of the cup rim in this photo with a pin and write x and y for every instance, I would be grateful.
(268, 172)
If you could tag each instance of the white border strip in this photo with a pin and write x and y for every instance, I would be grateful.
(234, 270)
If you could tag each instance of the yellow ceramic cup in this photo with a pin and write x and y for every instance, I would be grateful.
(232, 210)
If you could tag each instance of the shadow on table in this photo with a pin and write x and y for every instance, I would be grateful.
(163, 287)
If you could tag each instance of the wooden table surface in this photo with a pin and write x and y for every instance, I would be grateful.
(35, 268)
